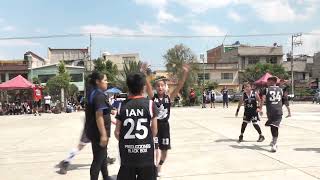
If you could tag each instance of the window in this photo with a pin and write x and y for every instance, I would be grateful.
(45, 78)
(253, 60)
(2, 77)
(128, 58)
(226, 75)
(272, 60)
(206, 76)
(76, 77)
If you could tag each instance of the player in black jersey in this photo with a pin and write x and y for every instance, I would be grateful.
(163, 103)
(273, 98)
(136, 127)
(251, 109)
(285, 99)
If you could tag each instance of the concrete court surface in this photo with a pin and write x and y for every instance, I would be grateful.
(204, 146)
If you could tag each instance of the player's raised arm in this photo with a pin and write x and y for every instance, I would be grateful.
(144, 69)
(186, 69)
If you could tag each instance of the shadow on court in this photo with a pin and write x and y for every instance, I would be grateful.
(308, 149)
(252, 147)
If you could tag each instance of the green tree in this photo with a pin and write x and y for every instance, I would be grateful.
(253, 73)
(73, 90)
(59, 82)
(128, 67)
(175, 58)
(108, 68)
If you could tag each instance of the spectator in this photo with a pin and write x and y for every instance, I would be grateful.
(192, 97)
(225, 96)
(47, 103)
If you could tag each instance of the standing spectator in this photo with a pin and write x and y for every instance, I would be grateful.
(47, 103)
(212, 98)
(192, 97)
(37, 96)
(204, 96)
(225, 97)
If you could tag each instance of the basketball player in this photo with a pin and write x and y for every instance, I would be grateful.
(136, 127)
(273, 97)
(251, 109)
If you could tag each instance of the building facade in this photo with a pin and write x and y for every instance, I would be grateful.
(44, 73)
(12, 68)
(120, 59)
(74, 57)
(316, 66)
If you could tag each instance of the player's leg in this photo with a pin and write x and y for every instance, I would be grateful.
(258, 129)
(243, 128)
(99, 156)
(126, 173)
(164, 143)
(147, 173)
(275, 134)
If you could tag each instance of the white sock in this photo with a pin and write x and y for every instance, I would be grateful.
(71, 155)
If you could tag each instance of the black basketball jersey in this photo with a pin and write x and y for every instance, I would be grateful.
(225, 93)
(250, 103)
(163, 105)
(274, 100)
(136, 139)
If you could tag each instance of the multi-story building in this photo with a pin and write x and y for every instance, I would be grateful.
(316, 66)
(44, 73)
(74, 57)
(34, 60)
(236, 58)
(225, 74)
(120, 59)
(12, 68)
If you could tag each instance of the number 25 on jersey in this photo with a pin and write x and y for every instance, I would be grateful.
(130, 122)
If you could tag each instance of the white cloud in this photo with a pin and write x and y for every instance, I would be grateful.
(1, 20)
(207, 30)
(153, 3)
(201, 6)
(8, 28)
(235, 16)
(151, 29)
(310, 44)
(164, 17)
(280, 10)
(105, 29)
(143, 29)
(17, 42)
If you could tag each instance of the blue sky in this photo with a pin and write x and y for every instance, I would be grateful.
(164, 17)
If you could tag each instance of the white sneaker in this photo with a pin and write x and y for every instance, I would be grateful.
(274, 148)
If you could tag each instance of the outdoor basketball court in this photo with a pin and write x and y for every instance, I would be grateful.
(204, 147)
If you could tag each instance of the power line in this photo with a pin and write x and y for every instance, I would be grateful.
(151, 36)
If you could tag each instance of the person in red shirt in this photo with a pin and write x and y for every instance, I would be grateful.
(37, 96)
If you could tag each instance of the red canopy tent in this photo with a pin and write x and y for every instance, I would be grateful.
(263, 80)
(18, 82)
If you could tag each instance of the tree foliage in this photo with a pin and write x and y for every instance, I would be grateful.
(128, 67)
(175, 58)
(107, 68)
(253, 73)
(61, 81)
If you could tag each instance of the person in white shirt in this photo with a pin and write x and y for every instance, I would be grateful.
(47, 103)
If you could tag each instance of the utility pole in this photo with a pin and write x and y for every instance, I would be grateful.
(90, 55)
(294, 42)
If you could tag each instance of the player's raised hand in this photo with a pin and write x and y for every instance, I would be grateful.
(186, 67)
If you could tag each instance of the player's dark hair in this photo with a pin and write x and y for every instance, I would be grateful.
(273, 79)
(93, 77)
(136, 83)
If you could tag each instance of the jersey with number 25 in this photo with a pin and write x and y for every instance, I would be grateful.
(136, 140)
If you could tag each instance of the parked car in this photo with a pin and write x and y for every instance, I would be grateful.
(219, 97)
(237, 96)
